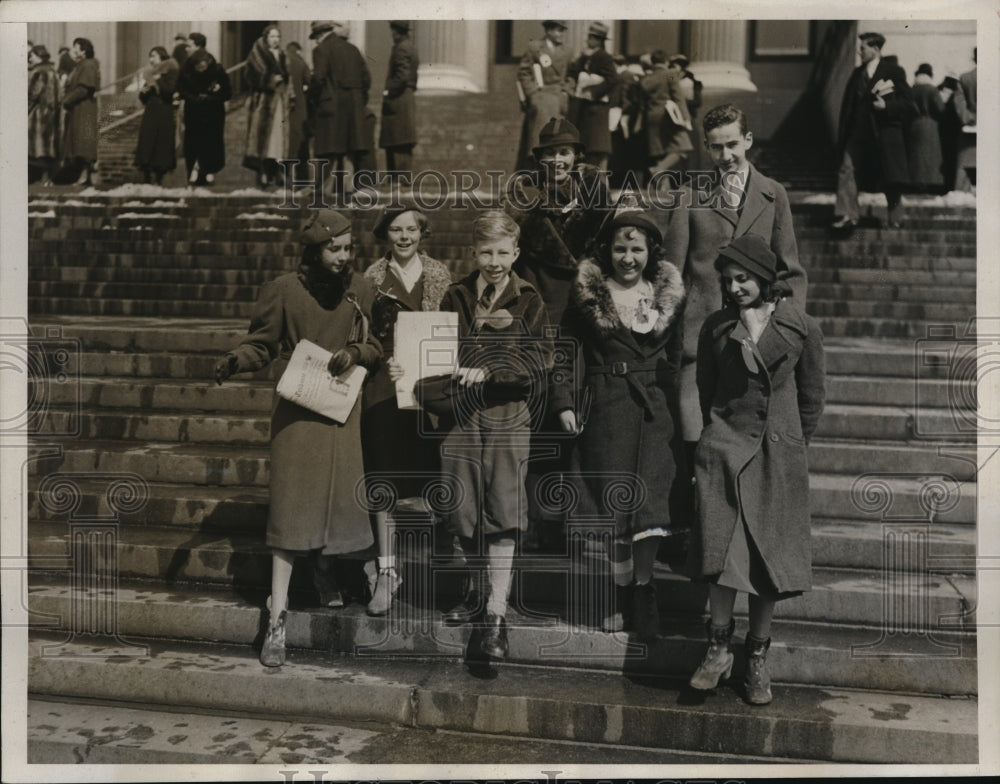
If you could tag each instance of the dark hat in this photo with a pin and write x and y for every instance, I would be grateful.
(388, 214)
(641, 219)
(180, 37)
(925, 68)
(324, 226)
(403, 27)
(316, 29)
(598, 30)
(751, 252)
(557, 132)
(555, 23)
(873, 39)
(679, 59)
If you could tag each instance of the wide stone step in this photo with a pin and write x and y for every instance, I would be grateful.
(886, 457)
(121, 346)
(600, 708)
(893, 277)
(863, 309)
(879, 293)
(245, 392)
(852, 596)
(902, 246)
(801, 652)
(924, 493)
(894, 495)
(108, 734)
(874, 327)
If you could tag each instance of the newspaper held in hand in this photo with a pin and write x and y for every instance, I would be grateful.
(883, 87)
(307, 382)
(426, 344)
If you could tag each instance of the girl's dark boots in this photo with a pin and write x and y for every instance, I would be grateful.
(757, 680)
(718, 661)
(645, 611)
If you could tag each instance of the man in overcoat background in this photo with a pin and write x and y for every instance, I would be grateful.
(398, 134)
(542, 75)
(871, 141)
(338, 95)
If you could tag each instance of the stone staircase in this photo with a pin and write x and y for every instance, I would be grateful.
(876, 664)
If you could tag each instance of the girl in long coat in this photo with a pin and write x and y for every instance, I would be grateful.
(625, 313)
(268, 123)
(597, 79)
(316, 464)
(43, 113)
(156, 153)
(923, 141)
(407, 280)
(80, 103)
(204, 86)
(761, 386)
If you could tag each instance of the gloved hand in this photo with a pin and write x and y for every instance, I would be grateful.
(343, 360)
(224, 368)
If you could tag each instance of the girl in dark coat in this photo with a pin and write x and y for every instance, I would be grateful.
(156, 154)
(43, 114)
(80, 103)
(624, 311)
(761, 386)
(923, 141)
(204, 86)
(268, 123)
(316, 468)
(405, 280)
(596, 82)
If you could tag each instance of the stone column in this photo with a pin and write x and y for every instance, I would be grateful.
(718, 52)
(453, 55)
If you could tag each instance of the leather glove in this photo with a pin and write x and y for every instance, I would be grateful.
(343, 360)
(224, 368)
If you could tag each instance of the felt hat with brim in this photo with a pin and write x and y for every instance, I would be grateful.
(403, 27)
(555, 133)
(752, 253)
(316, 29)
(324, 226)
(598, 30)
(561, 23)
(388, 214)
(641, 220)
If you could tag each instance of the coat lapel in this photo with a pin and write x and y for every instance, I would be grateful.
(757, 198)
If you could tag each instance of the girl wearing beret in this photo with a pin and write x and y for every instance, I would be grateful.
(624, 313)
(316, 469)
(760, 372)
(405, 279)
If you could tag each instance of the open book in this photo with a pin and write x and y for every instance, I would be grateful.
(307, 382)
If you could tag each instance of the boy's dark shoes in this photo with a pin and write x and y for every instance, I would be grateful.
(466, 610)
(494, 642)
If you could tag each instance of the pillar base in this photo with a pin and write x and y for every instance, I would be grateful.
(717, 76)
(445, 80)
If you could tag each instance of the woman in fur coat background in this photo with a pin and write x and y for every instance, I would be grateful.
(625, 314)
(268, 125)
(43, 115)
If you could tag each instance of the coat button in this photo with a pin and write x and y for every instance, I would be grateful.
(774, 436)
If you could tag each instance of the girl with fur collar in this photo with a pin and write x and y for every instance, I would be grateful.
(624, 316)
(405, 279)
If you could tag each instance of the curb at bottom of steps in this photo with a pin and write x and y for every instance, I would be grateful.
(803, 722)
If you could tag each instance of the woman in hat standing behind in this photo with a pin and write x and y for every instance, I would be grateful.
(624, 313)
(560, 220)
(761, 385)
(596, 79)
(79, 142)
(43, 115)
(405, 279)
(316, 464)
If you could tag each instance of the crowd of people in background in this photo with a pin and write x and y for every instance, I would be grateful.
(636, 114)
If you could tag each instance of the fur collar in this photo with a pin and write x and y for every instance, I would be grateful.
(593, 299)
(436, 276)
